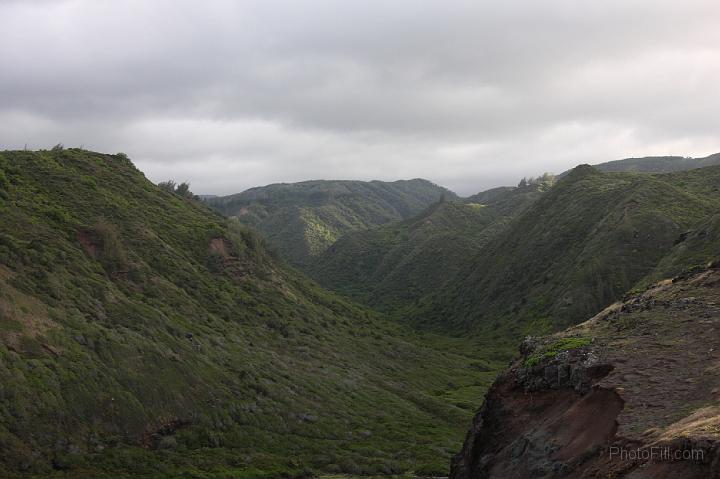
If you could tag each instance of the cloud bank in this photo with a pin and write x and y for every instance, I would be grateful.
(234, 94)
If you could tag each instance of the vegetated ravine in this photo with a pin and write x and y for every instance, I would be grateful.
(142, 334)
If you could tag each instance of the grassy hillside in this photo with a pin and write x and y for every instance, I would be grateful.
(392, 265)
(581, 246)
(143, 334)
(301, 220)
(658, 164)
(487, 196)
(694, 249)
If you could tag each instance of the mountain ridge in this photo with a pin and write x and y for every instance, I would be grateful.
(656, 164)
(392, 265)
(303, 219)
(579, 247)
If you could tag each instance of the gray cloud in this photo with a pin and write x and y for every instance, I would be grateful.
(469, 94)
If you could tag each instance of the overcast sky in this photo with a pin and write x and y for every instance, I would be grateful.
(469, 94)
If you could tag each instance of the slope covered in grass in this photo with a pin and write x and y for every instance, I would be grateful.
(392, 265)
(580, 247)
(141, 333)
(658, 164)
(301, 220)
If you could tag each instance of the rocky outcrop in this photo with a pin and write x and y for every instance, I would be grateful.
(634, 392)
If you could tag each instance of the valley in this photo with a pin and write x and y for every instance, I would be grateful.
(149, 333)
(144, 335)
(359, 239)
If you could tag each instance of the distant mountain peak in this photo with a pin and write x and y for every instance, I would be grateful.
(656, 164)
(301, 220)
(582, 171)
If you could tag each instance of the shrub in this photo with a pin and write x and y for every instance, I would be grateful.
(168, 185)
(563, 344)
(57, 215)
(113, 255)
(89, 181)
(436, 469)
(215, 263)
(247, 241)
(182, 189)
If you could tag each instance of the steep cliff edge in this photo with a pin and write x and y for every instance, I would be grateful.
(633, 392)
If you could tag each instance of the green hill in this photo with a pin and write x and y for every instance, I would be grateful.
(301, 220)
(580, 247)
(658, 164)
(399, 263)
(143, 334)
(694, 249)
(487, 196)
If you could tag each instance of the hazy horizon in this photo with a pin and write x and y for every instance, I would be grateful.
(463, 194)
(231, 95)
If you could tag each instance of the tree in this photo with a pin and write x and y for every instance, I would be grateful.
(182, 189)
(168, 185)
(543, 182)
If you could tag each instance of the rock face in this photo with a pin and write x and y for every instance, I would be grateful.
(634, 392)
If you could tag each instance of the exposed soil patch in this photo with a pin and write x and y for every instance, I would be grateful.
(90, 242)
(220, 247)
(223, 257)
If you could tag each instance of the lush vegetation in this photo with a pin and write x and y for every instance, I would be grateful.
(552, 350)
(699, 245)
(580, 247)
(180, 189)
(301, 220)
(394, 265)
(694, 249)
(659, 164)
(531, 259)
(143, 334)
